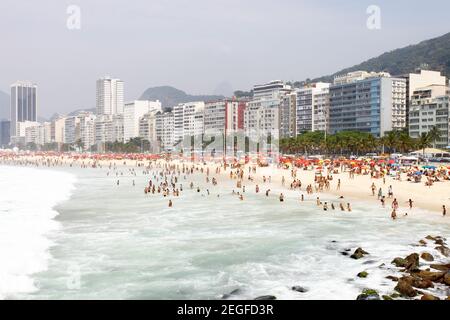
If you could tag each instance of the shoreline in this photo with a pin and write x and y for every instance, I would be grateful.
(358, 189)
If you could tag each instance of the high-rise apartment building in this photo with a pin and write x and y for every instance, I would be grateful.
(110, 96)
(23, 103)
(374, 103)
(133, 112)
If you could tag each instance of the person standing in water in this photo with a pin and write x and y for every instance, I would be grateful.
(444, 211)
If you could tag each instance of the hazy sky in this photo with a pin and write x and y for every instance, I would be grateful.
(196, 45)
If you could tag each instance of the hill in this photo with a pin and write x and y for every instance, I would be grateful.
(433, 54)
(170, 96)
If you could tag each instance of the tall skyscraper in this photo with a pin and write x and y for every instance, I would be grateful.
(23, 103)
(109, 96)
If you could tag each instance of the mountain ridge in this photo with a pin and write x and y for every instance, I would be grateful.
(433, 53)
(170, 96)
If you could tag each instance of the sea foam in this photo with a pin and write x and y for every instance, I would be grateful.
(27, 199)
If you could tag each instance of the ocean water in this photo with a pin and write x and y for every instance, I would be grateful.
(27, 198)
(114, 242)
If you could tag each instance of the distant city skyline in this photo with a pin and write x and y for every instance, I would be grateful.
(200, 47)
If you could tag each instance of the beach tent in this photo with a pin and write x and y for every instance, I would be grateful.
(428, 151)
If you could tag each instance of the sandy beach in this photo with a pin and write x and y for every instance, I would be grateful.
(357, 188)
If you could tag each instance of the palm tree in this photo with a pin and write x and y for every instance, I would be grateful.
(424, 141)
(434, 134)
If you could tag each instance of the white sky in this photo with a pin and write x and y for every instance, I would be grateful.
(198, 44)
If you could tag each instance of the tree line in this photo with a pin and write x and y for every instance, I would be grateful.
(357, 143)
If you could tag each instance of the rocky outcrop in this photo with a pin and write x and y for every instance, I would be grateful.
(405, 288)
(368, 294)
(427, 257)
(299, 289)
(358, 254)
(362, 274)
(443, 250)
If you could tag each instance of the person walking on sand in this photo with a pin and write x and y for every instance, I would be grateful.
(444, 211)
(349, 209)
(373, 187)
(339, 185)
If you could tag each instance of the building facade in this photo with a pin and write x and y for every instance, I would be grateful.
(23, 104)
(133, 112)
(375, 104)
(110, 96)
(430, 108)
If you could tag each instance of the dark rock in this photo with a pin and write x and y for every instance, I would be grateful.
(412, 262)
(362, 274)
(441, 267)
(430, 238)
(429, 275)
(369, 294)
(299, 289)
(358, 254)
(427, 257)
(444, 250)
(385, 297)
(370, 262)
(344, 253)
(392, 278)
(429, 297)
(440, 242)
(447, 278)
(422, 242)
(266, 298)
(232, 293)
(399, 262)
(405, 288)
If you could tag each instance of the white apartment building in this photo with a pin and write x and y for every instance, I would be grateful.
(261, 119)
(288, 115)
(103, 129)
(165, 131)
(188, 120)
(57, 130)
(110, 96)
(147, 130)
(135, 110)
(312, 107)
(430, 108)
(72, 129)
(270, 90)
(87, 130)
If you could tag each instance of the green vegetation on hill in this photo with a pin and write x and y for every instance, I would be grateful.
(433, 54)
